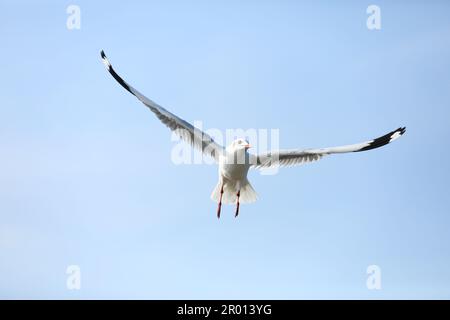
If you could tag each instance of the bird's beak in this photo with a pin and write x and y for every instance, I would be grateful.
(247, 146)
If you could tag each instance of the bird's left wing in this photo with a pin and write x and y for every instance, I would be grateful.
(195, 137)
(289, 158)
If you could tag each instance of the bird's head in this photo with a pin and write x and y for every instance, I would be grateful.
(238, 145)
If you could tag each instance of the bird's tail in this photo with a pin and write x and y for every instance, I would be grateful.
(230, 190)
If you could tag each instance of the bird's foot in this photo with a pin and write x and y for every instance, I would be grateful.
(219, 207)
(237, 211)
(237, 204)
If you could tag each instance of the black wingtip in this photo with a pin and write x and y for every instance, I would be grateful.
(400, 130)
(403, 130)
(114, 74)
(384, 140)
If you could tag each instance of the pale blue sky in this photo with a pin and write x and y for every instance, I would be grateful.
(86, 176)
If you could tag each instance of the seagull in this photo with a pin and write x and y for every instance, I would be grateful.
(234, 161)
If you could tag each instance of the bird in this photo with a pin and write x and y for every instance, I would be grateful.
(234, 161)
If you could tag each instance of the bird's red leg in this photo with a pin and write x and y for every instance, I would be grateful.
(219, 206)
(237, 203)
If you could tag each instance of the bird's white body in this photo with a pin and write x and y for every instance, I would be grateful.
(234, 165)
(230, 167)
(234, 161)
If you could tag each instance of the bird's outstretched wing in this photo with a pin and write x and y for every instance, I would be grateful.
(289, 158)
(187, 132)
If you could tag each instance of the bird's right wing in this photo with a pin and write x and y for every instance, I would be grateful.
(296, 157)
(187, 132)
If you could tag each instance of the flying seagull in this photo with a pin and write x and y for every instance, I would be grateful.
(235, 161)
